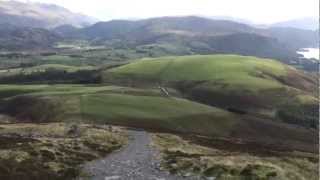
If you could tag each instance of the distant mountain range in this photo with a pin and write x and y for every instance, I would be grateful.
(308, 23)
(200, 35)
(18, 38)
(39, 26)
(40, 15)
(196, 35)
(190, 28)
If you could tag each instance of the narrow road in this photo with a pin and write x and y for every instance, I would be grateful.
(136, 161)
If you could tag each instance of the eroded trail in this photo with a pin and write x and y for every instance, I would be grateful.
(136, 161)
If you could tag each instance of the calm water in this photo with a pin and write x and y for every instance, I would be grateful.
(310, 52)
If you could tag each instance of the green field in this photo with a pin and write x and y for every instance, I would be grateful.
(158, 113)
(195, 98)
(119, 105)
(145, 108)
(82, 54)
(43, 68)
(244, 104)
(239, 84)
(242, 83)
(231, 69)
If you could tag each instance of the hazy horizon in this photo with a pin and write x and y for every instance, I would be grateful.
(259, 12)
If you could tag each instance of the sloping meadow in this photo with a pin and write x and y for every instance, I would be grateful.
(241, 84)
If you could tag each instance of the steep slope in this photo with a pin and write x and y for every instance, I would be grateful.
(307, 23)
(65, 30)
(251, 44)
(108, 30)
(188, 26)
(241, 84)
(17, 38)
(40, 15)
(200, 36)
(295, 38)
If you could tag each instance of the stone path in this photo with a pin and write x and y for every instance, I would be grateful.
(136, 161)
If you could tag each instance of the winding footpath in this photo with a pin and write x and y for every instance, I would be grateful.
(136, 161)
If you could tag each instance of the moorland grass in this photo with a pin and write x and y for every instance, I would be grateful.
(230, 162)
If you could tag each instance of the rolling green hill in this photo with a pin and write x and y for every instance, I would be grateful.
(200, 35)
(114, 105)
(145, 108)
(229, 68)
(242, 84)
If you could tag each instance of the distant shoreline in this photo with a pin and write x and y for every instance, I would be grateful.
(309, 52)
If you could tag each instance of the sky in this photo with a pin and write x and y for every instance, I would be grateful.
(257, 11)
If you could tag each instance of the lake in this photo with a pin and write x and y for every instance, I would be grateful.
(309, 52)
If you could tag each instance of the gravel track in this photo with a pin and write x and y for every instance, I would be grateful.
(136, 161)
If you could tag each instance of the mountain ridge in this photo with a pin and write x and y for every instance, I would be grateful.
(40, 15)
(307, 23)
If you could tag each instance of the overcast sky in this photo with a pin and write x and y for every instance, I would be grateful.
(258, 11)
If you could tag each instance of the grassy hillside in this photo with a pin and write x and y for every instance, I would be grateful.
(158, 113)
(79, 137)
(144, 108)
(197, 35)
(229, 68)
(239, 83)
(115, 105)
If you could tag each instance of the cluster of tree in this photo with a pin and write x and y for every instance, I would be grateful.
(52, 76)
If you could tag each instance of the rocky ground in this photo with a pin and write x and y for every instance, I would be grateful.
(65, 151)
(53, 151)
(137, 161)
